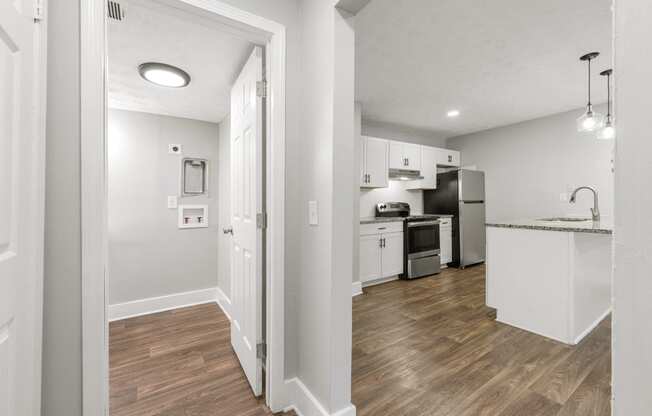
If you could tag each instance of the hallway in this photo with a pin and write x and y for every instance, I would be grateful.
(430, 347)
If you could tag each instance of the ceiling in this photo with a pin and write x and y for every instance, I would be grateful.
(151, 33)
(499, 62)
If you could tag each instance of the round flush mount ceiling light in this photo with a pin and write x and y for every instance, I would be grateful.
(453, 113)
(164, 75)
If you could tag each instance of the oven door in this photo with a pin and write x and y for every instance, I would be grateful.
(422, 238)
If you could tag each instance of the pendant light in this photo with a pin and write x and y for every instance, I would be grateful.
(607, 132)
(590, 120)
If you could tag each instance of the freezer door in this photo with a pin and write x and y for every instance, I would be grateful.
(472, 233)
(471, 184)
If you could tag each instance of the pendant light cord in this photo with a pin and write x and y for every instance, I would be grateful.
(609, 97)
(589, 69)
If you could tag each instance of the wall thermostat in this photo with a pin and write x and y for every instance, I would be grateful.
(174, 149)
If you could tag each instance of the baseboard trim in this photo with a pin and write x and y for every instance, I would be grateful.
(161, 303)
(223, 302)
(306, 404)
(591, 327)
(357, 289)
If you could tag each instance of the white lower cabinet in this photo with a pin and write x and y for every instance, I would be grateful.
(446, 240)
(381, 251)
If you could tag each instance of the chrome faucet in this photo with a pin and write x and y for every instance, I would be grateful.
(595, 212)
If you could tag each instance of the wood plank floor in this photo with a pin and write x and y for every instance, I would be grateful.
(430, 347)
(178, 363)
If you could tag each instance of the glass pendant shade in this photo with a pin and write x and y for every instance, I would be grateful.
(608, 132)
(590, 121)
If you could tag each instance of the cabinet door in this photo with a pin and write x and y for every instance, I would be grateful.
(396, 158)
(448, 157)
(376, 162)
(428, 170)
(446, 244)
(392, 254)
(363, 167)
(412, 155)
(370, 257)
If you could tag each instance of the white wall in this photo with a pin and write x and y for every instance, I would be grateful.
(149, 255)
(375, 128)
(632, 327)
(528, 165)
(224, 207)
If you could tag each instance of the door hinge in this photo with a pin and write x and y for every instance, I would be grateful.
(38, 10)
(261, 89)
(261, 351)
(261, 220)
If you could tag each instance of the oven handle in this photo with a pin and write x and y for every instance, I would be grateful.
(422, 223)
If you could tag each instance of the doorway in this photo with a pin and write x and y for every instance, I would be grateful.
(191, 174)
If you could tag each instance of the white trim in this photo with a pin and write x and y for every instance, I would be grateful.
(223, 302)
(356, 288)
(591, 327)
(306, 404)
(380, 281)
(93, 173)
(156, 304)
(95, 363)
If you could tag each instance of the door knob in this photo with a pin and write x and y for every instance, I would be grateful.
(228, 230)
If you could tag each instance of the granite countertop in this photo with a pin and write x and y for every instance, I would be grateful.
(605, 226)
(376, 220)
(444, 215)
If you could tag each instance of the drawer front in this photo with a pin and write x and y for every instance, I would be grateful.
(381, 227)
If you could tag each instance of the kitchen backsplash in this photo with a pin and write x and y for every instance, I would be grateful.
(396, 192)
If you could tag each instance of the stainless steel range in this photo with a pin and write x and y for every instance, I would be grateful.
(421, 252)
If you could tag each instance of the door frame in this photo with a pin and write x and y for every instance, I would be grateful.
(94, 240)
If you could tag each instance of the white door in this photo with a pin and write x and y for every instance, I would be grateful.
(370, 257)
(246, 202)
(376, 162)
(392, 254)
(21, 221)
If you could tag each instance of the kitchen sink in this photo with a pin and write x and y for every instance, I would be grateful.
(566, 219)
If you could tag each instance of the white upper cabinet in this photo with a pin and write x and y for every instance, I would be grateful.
(447, 157)
(373, 162)
(404, 156)
(429, 159)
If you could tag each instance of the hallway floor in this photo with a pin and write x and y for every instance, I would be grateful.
(178, 363)
(429, 347)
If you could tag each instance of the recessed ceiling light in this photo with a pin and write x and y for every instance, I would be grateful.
(164, 75)
(453, 113)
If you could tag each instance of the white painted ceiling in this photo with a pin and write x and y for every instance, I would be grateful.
(499, 62)
(151, 33)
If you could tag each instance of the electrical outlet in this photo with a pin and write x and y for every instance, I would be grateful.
(563, 197)
(173, 202)
(174, 149)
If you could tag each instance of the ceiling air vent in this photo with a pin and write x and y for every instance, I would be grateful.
(115, 11)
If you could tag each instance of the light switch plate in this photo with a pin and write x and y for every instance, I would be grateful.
(313, 213)
(174, 149)
(173, 201)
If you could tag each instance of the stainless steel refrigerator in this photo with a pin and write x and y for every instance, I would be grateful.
(460, 193)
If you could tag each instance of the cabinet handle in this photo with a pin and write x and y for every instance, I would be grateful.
(369, 175)
(380, 242)
(450, 158)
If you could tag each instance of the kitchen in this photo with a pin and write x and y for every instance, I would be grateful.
(481, 255)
